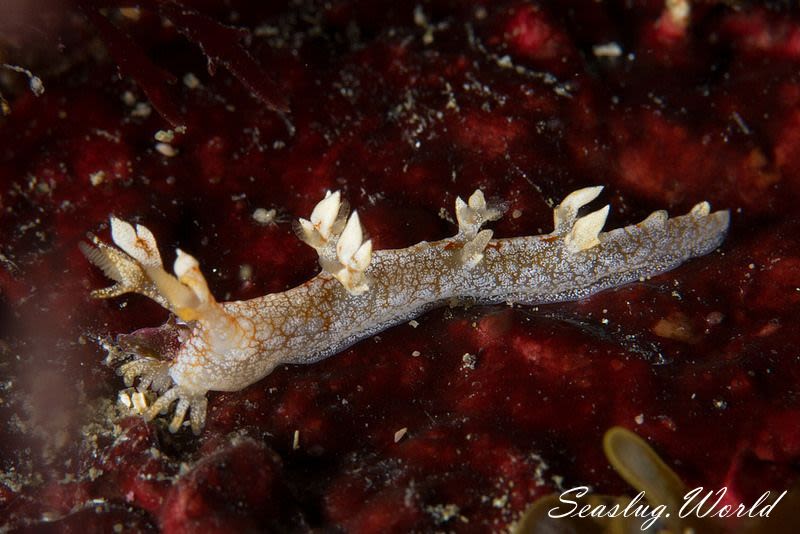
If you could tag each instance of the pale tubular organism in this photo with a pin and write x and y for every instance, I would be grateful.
(226, 346)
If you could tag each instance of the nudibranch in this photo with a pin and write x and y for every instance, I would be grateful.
(225, 346)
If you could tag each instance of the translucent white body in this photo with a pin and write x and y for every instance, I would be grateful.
(230, 345)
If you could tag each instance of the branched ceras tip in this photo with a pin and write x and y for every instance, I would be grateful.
(471, 215)
(185, 294)
(580, 233)
(339, 241)
(474, 213)
(583, 233)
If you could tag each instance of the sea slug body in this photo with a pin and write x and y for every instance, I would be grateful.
(226, 346)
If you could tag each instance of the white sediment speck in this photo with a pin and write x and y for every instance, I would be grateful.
(166, 149)
(264, 216)
(141, 110)
(164, 136)
(191, 81)
(97, 178)
(607, 50)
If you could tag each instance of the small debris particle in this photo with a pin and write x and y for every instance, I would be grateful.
(679, 11)
(97, 178)
(245, 272)
(400, 434)
(34, 82)
(413, 323)
(132, 13)
(128, 98)
(166, 150)
(416, 353)
(500, 502)
(422, 21)
(639, 419)
(442, 513)
(118, 528)
(676, 326)
(296, 440)
(141, 110)
(516, 214)
(607, 50)
(740, 123)
(165, 136)
(94, 473)
(191, 81)
(720, 404)
(419, 16)
(469, 361)
(264, 216)
(444, 214)
(266, 30)
(36, 85)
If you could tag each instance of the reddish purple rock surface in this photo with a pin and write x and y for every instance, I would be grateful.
(402, 106)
